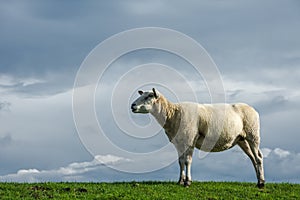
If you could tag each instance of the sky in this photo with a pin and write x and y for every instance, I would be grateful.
(44, 46)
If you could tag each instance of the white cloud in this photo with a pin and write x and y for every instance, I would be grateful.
(10, 84)
(280, 166)
(109, 159)
(99, 160)
(74, 171)
(281, 153)
(234, 165)
(266, 152)
(6, 80)
(28, 171)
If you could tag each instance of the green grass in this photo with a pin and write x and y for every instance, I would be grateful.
(148, 190)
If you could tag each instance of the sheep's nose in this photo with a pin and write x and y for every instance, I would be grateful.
(133, 106)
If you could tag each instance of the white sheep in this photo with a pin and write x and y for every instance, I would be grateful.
(208, 127)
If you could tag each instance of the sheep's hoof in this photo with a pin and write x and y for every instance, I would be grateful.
(187, 183)
(261, 185)
(181, 182)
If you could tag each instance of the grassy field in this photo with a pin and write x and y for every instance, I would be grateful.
(148, 190)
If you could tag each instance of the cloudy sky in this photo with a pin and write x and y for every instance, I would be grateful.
(254, 44)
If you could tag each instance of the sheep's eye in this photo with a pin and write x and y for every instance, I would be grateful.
(151, 95)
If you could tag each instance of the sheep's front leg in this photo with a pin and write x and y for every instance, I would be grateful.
(185, 162)
(188, 163)
(181, 161)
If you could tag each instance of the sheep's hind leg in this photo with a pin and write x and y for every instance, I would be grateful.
(260, 170)
(243, 144)
(259, 163)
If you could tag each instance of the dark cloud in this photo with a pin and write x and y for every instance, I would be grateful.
(48, 40)
(276, 104)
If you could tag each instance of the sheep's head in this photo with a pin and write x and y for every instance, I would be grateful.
(145, 102)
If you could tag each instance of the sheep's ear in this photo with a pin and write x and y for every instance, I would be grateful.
(156, 95)
(140, 92)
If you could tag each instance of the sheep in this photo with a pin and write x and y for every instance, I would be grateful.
(208, 127)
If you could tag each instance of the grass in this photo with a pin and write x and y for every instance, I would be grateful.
(148, 190)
